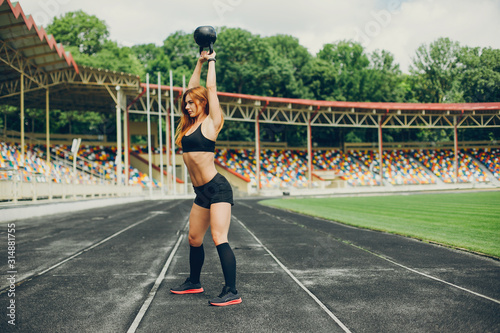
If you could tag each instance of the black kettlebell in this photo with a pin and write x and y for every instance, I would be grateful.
(205, 36)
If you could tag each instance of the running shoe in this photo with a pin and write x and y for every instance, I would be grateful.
(226, 297)
(187, 288)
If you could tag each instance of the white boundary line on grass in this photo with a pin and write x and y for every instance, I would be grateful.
(316, 299)
(159, 280)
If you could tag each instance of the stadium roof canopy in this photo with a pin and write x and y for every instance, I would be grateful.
(26, 50)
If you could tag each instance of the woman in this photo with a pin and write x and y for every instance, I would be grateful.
(197, 132)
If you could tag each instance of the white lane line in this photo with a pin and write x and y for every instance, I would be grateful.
(95, 245)
(316, 299)
(159, 279)
(394, 262)
(31, 277)
(431, 277)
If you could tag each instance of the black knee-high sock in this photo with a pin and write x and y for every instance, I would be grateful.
(228, 262)
(196, 259)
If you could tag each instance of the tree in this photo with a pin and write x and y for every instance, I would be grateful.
(154, 60)
(435, 69)
(237, 131)
(480, 80)
(321, 77)
(182, 53)
(246, 65)
(289, 59)
(112, 57)
(86, 37)
(350, 63)
(384, 80)
(81, 30)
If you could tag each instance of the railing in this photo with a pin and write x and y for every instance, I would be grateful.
(95, 176)
(420, 145)
(14, 189)
(69, 164)
(39, 138)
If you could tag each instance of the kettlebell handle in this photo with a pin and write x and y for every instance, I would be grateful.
(205, 36)
(210, 48)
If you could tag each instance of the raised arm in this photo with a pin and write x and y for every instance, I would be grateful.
(215, 111)
(195, 78)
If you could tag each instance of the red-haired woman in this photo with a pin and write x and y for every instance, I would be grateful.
(197, 132)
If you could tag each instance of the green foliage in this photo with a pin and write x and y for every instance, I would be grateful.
(480, 81)
(181, 53)
(111, 57)
(442, 71)
(244, 65)
(435, 68)
(384, 80)
(87, 38)
(237, 131)
(350, 64)
(85, 32)
(154, 60)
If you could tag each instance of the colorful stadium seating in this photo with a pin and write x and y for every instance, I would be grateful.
(280, 168)
(398, 168)
(345, 165)
(98, 160)
(490, 157)
(441, 162)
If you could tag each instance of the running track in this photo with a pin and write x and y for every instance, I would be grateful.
(110, 269)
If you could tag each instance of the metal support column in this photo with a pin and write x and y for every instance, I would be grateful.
(455, 131)
(309, 149)
(47, 127)
(118, 136)
(257, 151)
(148, 110)
(160, 133)
(167, 139)
(185, 167)
(47, 142)
(380, 152)
(172, 134)
(22, 120)
(126, 141)
(257, 144)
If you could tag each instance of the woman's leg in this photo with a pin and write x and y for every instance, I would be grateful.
(199, 220)
(220, 218)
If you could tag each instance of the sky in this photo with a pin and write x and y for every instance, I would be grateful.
(398, 26)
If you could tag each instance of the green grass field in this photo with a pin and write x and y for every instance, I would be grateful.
(465, 220)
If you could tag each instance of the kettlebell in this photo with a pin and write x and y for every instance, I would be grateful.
(205, 36)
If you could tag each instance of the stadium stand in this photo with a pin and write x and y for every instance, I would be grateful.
(441, 163)
(490, 158)
(399, 168)
(346, 166)
(93, 161)
(280, 168)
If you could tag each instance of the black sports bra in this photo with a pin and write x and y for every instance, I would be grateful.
(196, 141)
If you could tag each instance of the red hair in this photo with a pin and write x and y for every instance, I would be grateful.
(200, 97)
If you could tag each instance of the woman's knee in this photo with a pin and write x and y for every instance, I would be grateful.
(219, 238)
(195, 240)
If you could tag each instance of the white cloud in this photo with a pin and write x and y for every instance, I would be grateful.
(313, 22)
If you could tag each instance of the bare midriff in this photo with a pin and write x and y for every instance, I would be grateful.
(201, 166)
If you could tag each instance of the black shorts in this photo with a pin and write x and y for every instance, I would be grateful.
(216, 190)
